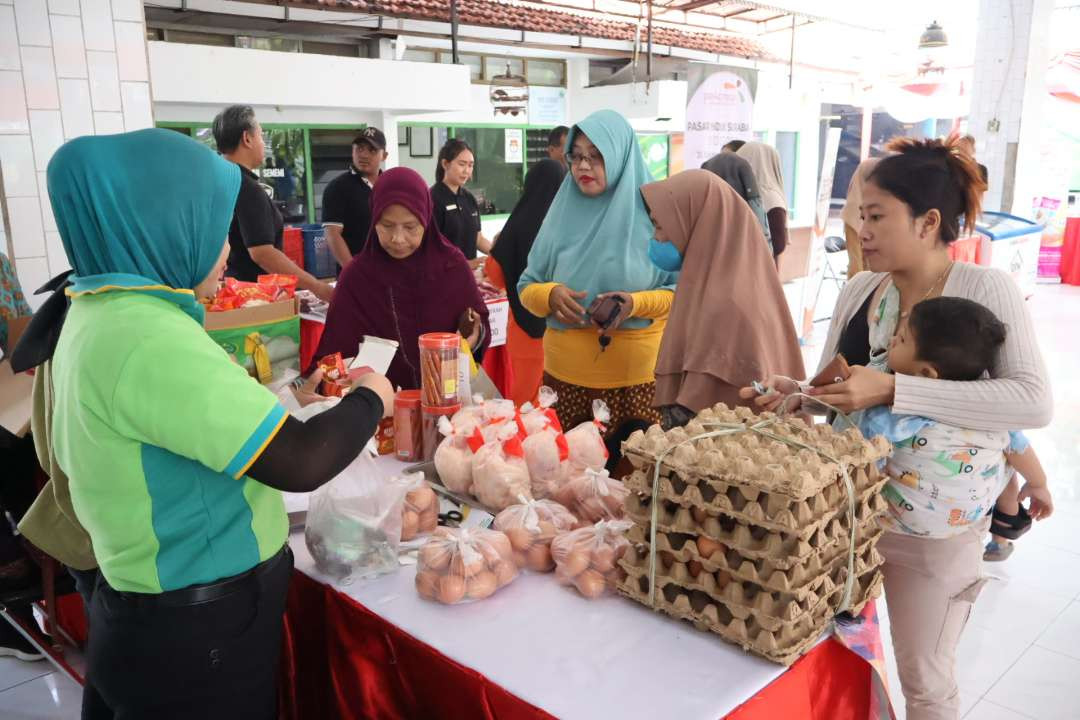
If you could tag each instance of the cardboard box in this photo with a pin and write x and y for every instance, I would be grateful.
(278, 328)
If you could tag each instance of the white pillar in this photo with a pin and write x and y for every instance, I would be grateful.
(1008, 93)
(67, 69)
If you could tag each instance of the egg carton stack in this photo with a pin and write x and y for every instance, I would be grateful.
(753, 534)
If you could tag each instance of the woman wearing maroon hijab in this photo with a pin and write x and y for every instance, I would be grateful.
(408, 280)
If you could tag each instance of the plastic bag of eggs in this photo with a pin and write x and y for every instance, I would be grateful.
(464, 564)
(593, 495)
(531, 527)
(420, 514)
(588, 558)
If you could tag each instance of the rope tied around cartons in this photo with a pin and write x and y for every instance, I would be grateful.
(761, 428)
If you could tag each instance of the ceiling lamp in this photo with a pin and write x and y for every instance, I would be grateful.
(933, 37)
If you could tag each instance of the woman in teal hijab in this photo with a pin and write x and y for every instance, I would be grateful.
(595, 244)
(175, 457)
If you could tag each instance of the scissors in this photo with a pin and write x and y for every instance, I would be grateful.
(451, 518)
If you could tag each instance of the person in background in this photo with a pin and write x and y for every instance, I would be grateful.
(165, 440)
(457, 215)
(256, 229)
(967, 144)
(408, 281)
(556, 148)
(346, 206)
(765, 162)
(729, 295)
(733, 146)
(594, 243)
(525, 331)
(852, 216)
(737, 173)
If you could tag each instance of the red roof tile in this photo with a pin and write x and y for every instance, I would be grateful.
(492, 13)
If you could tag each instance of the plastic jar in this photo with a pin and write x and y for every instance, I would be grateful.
(429, 420)
(439, 369)
(408, 433)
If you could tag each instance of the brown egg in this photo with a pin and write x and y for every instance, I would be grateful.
(520, 538)
(707, 547)
(538, 558)
(500, 542)
(451, 589)
(666, 558)
(410, 525)
(429, 520)
(722, 579)
(427, 584)
(576, 562)
(547, 529)
(603, 559)
(434, 555)
(695, 568)
(591, 584)
(698, 514)
(521, 559)
(427, 500)
(505, 571)
(482, 585)
(490, 554)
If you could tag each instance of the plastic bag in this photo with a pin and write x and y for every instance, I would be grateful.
(454, 456)
(586, 441)
(532, 420)
(531, 526)
(588, 558)
(592, 496)
(485, 416)
(464, 564)
(420, 514)
(547, 455)
(353, 526)
(500, 474)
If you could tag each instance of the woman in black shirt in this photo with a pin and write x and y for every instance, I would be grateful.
(456, 212)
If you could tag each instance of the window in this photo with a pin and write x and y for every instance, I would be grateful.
(277, 44)
(475, 63)
(496, 184)
(494, 66)
(327, 48)
(545, 72)
(419, 55)
(331, 153)
(154, 34)
(198, 38)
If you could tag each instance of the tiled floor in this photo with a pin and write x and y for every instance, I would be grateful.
(1020, 655)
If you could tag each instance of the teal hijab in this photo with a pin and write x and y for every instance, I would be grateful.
(145, 211)
(600, 244)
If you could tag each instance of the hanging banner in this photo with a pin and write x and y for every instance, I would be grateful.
(514, 152)
(720, 109)
(547, 105)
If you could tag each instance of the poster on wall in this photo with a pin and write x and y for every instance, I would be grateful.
(547, 105)
(514, 139)
(720, 108)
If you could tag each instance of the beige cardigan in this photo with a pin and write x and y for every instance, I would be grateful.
(1016, 396)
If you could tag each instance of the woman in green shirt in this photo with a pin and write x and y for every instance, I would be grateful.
(175, 457)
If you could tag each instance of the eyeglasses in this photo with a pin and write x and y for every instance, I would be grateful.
(593, 159)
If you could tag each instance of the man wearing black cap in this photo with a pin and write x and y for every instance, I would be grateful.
(346, 204)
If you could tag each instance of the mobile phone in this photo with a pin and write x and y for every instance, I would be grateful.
(837, 371)
(604, 311)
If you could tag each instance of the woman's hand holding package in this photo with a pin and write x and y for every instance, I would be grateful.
(865, 388)
(780, 386)
(626, 309)
(470, 327)
(564, 305)
(308, 393)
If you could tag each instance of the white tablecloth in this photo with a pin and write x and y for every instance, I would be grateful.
(575, 658)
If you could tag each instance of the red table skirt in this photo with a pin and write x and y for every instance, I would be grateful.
(340, 660)
(1070, 253)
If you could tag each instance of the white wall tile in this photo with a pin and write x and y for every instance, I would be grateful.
(40, 78)
(9, 40)
(128, 10)
(97, 25)
(13, 117)
(17, 166)
(64, 7)
(108, 123)
(48, 221)
(47, 132)
(75, 108)
(27, 235)
(33, 273)
(54, 248)
(104, 83)
(32, 21)
(137, 111)
(68, 49)
(131, 51)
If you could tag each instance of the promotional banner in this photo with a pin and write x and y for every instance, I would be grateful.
(514, 150)
(720, 108)
(547, 105)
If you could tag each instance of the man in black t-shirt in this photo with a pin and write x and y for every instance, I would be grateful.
(346, 207)
(556, 148)
(256, 229)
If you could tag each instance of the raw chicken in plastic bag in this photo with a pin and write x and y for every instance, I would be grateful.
(587, 448)
(532, 420)
(500, 474)
(420, 514)
(454, 457)
(464, 564)
(588, 558)
(592, 496)
(353, 526)
(531, 526)
(547, 455)
(486, 415)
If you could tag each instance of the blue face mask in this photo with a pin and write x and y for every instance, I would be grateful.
(665, 256)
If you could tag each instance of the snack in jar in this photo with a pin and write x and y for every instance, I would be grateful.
(588, 558)
(408, 429)
(439, 369)
(531, 526)
(500, 474)
(430, 428)
(586, 441)
(420, 514)
(464, 564)
(593, 495)
(454, 455)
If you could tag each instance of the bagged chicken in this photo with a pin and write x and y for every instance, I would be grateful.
(592, 496)
(455, 456)
(470, 416)
(547, 456)
(500, 474)
(420, 515)
(588, 558)
(464, 564)
(532, 420)
(586, 441)
(531, 526)
(485, 416)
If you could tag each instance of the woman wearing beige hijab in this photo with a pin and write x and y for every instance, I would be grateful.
(730, 321)
(765, 162)
(853, 218)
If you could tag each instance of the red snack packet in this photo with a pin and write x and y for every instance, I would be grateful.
(285, 283)
(333, 367)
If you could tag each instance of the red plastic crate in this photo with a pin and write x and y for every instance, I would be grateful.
(292, 244)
